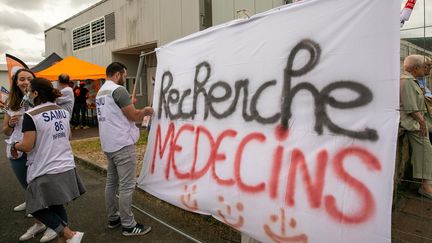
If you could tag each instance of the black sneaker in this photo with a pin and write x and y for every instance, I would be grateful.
(114, 224)
(139, 229)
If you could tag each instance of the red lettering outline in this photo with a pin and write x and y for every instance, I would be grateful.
(237, 164)
(368, 206)
(203, 171)
(158, 139)
(314, 190)
(177, 148)
(221, 157)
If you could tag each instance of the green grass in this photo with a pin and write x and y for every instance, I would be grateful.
(93, 144)
(86, 145)
(143, 138)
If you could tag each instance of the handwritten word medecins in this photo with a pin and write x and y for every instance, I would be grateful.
(171, 100)
(167, 145)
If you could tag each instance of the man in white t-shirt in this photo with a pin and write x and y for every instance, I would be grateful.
(66, 101)
(118, 133)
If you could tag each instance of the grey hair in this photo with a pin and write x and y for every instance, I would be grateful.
(413, 61)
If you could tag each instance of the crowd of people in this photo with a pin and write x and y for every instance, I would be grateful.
(416, 118)
(74, 100)
(37, 123)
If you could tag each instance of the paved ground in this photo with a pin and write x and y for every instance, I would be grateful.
(412, 215)
(86, 213)
(85, 133)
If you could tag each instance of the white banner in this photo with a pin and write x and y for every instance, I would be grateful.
(283, 125)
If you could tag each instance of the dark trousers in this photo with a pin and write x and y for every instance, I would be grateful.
(54, 217)
(19, 168)
(80, 110)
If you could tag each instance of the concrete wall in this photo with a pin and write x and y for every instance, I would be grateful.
(138, 23)
(145, 22)
(144, 25)
(226, 10)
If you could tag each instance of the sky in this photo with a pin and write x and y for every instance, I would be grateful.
(22, 25)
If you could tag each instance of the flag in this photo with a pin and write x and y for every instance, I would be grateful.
(11, 63)
(4, 95)
(4, 90)
(406, 11)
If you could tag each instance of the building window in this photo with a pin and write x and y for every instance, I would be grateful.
(89, 34)
(98, 31)
(109, 27)
(205, 14)
(81, 37)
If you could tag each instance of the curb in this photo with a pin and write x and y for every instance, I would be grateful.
(90, 165)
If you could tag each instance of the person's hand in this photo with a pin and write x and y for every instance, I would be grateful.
(14, 120)
(14, 151)
(148, 111)
(2, 105)
(423, 131)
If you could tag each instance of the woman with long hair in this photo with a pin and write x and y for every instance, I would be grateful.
(51, 175)
(12, 124)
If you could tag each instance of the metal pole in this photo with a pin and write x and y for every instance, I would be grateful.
(138, 75)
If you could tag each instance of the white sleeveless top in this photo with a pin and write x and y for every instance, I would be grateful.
(115, 130)
(52, 153)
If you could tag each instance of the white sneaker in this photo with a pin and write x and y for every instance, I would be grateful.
(48, 235)
(29, 216)
(20, 207)
(32, 231)
(76, 238)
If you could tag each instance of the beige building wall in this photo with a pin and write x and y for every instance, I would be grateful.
(138, 23)
(143, 25)
(4, 79)
(226, 10)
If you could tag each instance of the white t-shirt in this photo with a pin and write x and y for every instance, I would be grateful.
(67, 100)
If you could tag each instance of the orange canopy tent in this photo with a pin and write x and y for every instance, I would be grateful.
(76, 69)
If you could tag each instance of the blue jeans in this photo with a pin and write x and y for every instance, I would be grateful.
(54, 217)
(19, 167)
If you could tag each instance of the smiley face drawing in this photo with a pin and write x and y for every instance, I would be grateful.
(283, 237)
(186, 198)
(239, 207)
